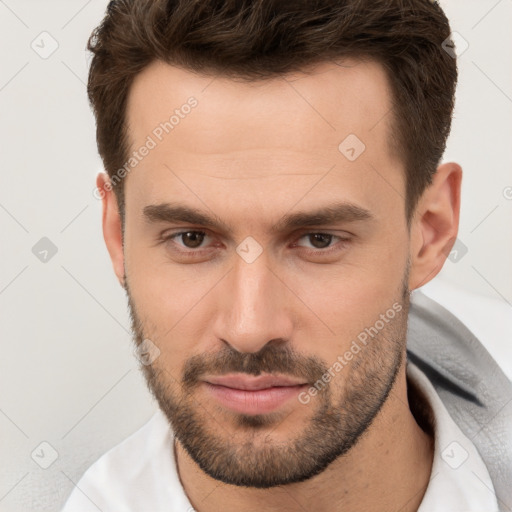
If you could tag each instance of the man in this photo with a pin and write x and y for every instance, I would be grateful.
(273, 195)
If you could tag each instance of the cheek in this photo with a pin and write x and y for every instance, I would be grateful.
(167, 305)
(346, 304)
(163, 292)
(351, 293)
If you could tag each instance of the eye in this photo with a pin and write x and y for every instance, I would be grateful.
(320, 241)
(190, 239)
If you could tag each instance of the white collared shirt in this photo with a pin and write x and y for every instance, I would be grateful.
(459, 480)
(140, 473)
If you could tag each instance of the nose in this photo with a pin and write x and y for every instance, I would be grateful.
(254, 307)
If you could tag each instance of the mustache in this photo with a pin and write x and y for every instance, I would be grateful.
(270, 359)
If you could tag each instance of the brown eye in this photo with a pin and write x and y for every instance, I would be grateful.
(186, 239)
(191, 239)
(322, 245)
(320, 240)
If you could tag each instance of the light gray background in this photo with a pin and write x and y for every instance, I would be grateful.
(68, 375)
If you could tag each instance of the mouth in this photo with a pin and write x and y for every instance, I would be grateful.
(248, 394)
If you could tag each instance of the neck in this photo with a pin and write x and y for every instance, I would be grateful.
(388, 469)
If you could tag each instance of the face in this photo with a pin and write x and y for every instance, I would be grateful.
(265, 259)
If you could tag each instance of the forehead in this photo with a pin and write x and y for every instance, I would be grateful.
(328, 98)
(254, 133)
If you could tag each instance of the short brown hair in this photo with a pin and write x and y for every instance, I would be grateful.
(259, 39)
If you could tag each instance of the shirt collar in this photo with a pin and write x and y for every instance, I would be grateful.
(460, 481)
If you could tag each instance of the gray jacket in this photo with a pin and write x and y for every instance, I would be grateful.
(476, 392)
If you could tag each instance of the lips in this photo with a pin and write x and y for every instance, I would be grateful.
(249, 382)
(253, 395)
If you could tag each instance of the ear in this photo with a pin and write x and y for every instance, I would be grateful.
(435, 225)
(111, 222)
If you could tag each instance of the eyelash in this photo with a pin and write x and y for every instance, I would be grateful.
(170, 238)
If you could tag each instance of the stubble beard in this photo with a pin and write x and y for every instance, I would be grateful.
(342, 413)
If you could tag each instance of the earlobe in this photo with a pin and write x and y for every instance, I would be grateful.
(435, 225)
(111, 224)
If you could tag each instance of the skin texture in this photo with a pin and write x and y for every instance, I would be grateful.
(250, 154)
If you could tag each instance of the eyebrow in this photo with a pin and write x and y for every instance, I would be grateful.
(329, 214)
